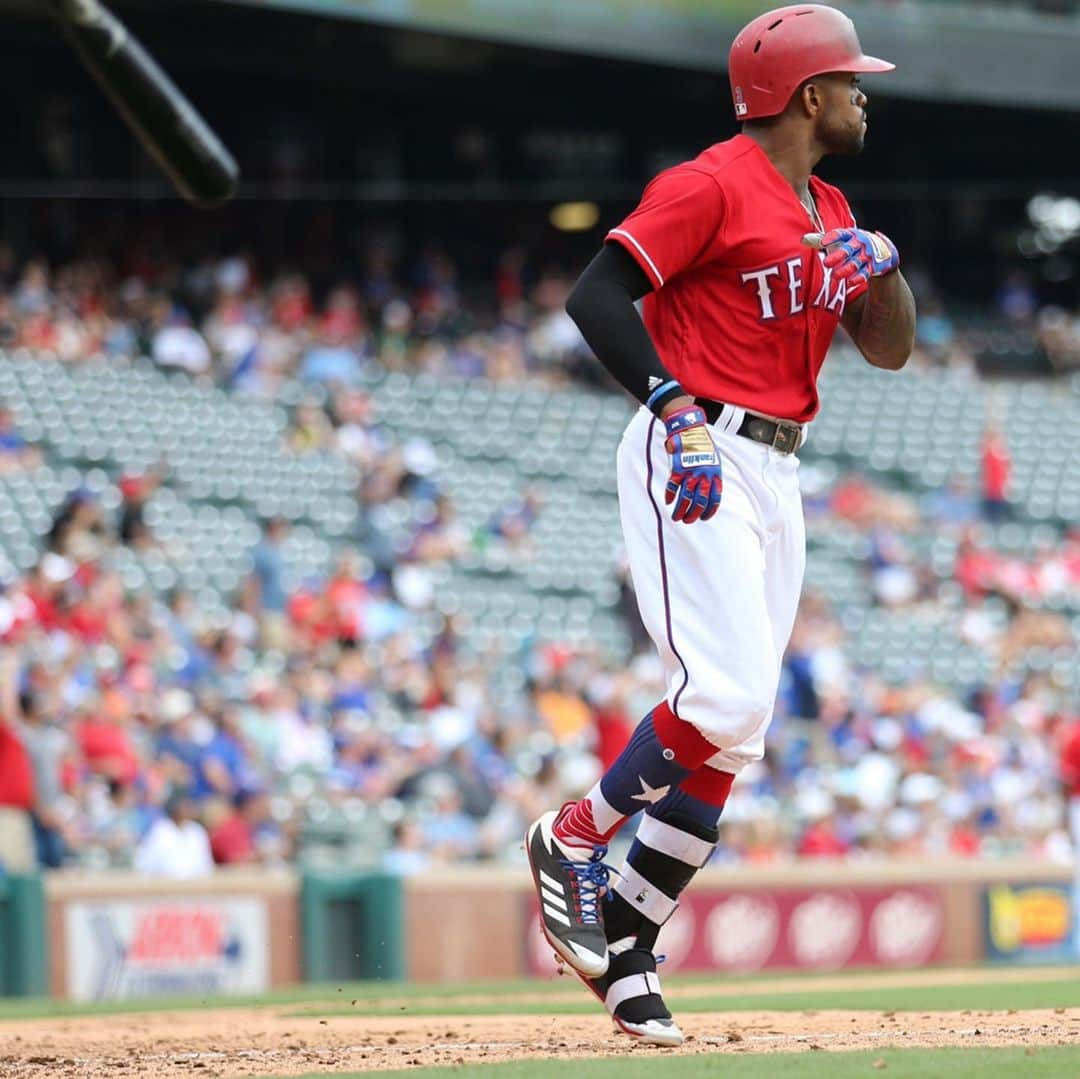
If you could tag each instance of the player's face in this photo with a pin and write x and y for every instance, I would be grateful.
(842, 122)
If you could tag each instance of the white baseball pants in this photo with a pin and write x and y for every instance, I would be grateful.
(718, 597)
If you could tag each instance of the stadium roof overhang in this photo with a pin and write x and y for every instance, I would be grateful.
(947, 52)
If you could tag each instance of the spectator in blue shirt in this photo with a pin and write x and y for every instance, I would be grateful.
(265, 593)
(15, 452)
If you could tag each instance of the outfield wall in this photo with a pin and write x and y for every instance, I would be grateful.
(818, 915)
(120, 935)
(116, 935)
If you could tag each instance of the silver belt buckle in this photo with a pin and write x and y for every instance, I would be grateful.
(786, 438)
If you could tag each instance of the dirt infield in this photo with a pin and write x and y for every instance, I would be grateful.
(226, 1043)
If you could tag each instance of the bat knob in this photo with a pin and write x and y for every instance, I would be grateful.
(813, 239)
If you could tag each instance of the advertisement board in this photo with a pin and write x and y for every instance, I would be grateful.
(121, 949)
(828, 928)
(1029, 923)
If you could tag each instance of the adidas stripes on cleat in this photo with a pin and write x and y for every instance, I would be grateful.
(569, 888)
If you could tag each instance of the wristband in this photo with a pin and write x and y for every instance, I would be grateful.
(662, 394)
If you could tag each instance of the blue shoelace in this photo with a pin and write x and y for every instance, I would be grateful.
(591, 877)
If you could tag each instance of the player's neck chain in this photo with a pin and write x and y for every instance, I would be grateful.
(811, 210)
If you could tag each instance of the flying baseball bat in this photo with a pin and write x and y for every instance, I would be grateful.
(163, 120)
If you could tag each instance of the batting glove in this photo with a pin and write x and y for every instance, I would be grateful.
(858, 255)
(696, 480)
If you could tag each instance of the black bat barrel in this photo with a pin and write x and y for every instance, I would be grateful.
(164, 121)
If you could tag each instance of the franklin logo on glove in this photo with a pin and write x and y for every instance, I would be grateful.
(696, 481)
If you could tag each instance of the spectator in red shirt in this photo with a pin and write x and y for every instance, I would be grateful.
(612, 722)
(16, 775)
(346, 594)
(1069, 770)
(964, 840)
(16, 778)
(510, 277)
(852, 498)
(44, 589)
(235, 839)
(996, 470)
(232, 839)
(105, 743)
(1069, 763)
(976, 567)
(821, 840)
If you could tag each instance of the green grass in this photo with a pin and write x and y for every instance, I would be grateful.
(985, 996)
(1056, 1063)
(44, 1008)
(328, 994)
(803, 992)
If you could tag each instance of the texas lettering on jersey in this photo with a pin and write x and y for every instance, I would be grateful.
(781, 292)
(740, 310)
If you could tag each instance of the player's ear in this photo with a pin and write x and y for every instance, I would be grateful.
(809, 96)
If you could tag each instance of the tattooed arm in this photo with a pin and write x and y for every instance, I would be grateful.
(881, 321)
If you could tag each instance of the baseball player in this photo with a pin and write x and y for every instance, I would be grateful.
(747, 263)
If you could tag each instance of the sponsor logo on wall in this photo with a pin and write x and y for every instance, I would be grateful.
(906, 928)
(824, 930)
(741, 931)
(810, 929)
(1029, 923)
(124, 949)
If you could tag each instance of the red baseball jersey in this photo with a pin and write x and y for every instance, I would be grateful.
(742, 311)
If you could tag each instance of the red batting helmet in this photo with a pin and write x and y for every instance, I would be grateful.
(777, 51)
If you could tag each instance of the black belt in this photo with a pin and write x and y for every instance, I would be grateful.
(783, 436)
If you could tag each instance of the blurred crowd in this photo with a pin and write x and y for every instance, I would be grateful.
(251, 327)
(901, 573)
(1017, 330)
(318, 719)
(250, 330)
(868, 767)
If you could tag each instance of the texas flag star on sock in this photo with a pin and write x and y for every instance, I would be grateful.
(649, 794)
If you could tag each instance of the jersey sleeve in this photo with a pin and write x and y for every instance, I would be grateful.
(675, 224)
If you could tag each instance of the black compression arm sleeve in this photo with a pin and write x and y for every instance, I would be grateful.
(602, 305)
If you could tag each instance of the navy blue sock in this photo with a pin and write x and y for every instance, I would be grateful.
(652, 765)
(644, 773)
(678, 801)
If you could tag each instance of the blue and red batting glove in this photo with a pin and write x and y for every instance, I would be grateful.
(696, 479)
(858, 255)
